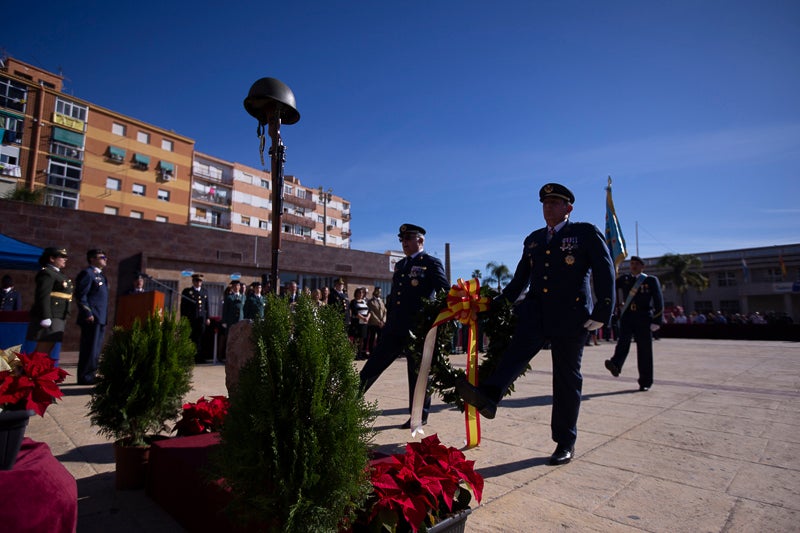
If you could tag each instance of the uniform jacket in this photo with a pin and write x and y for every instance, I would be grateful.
(232, 308)
(253, 306)
(557, 275)
(413, 279)
(52, 296)
(648, 302)
(194, 304)
(91, 296)
(10, 300)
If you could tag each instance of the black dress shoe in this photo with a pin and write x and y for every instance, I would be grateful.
(614, 369)
(475, 397)
(562, 455)
(642, 388)
(407, 424)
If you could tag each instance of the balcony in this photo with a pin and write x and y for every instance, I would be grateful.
(305, 203)
(346, 234)
(346, 216)
(216, 199)
(297, 220)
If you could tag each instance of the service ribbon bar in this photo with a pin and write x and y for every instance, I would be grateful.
(464, 302)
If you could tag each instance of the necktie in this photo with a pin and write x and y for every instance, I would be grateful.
(550, 233)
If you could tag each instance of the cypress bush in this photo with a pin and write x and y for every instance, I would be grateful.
(294, 445)
(144, 373)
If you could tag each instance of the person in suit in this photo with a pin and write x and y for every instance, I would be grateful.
(418, 275)
(194, 306)
(640, 316)
(338, 299)
(138, 285)
(291, 293)
(10, 300)
(556, 265)
(53, 294)
(91, 297)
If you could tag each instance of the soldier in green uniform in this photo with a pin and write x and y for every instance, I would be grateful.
(48, 317)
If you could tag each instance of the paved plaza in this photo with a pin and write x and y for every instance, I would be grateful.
(713, 446)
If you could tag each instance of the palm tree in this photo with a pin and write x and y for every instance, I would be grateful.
(682, 274)
(477, 275)
(498, 273)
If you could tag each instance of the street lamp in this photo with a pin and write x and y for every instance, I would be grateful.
(325, 198)
(271, 102)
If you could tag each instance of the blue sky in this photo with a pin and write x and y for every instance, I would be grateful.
(452, 114)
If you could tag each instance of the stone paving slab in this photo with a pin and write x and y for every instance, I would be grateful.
(713, 446)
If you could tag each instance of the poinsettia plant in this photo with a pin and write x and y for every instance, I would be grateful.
(28, 381)
(416, 489)
(203, 416)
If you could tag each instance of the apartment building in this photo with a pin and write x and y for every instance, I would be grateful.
(85, 157)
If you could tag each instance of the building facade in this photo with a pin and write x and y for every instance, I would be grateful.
(764, 280)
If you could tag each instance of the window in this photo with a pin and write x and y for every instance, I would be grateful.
(139, 189)
(143, 137)
(137, 214)
(13, 127)
(265, 184)
(113, 184)
(200, 213)
(71, 109)
(302, 193)
(167, 145)
(141, 162)
(12, 94)
(320, 219)
(163, 195)
(729, 307)
(245, 221)
(65, 199)
(162, 218)
(263, 224)
(773, 275)
(108, 210)
(119, 129)
(66, 150)
(726, 279)
(64, 174)
(288, 189)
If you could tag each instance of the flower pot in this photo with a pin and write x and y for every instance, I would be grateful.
(452, 524)
(131, 466)
(12, 431)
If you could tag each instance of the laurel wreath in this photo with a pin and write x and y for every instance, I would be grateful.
(497, 324)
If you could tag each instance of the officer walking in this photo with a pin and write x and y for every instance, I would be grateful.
(416, 276)
(91, 296)
(556, 265)
(194, 306)
(48, 315)
(640, 316)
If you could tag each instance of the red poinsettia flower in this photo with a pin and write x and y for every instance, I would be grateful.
(204, 416)
(422, 483)
(31, 382)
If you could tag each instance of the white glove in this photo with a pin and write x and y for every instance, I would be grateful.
(592, 325)
(46, 323)
(654, 327)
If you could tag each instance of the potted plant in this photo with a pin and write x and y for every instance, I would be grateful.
(28, 385)
(293, 451)
(144, 373)
(203, 416)
(428, 488)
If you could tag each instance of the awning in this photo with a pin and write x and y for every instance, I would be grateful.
(18, 255)
(8, 113)
(169, 167)
(116, 153)
(68, 137)
(141, 159)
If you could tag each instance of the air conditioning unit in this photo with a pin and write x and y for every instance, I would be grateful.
(166, 175)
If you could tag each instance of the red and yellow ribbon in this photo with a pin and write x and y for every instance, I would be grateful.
(464, 302)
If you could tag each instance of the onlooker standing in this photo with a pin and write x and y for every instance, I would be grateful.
(641, 315)
(51, 300)
(10, 300)
(416, 276)
(254, 302)
(138, 285)
(556, 265)
(91, 297)
(359, 317)
(338, 299)
(194, 306)
(377, 318)
(291, 293)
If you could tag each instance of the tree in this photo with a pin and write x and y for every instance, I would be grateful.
(477, 275)
(682, 274)
(498, 273)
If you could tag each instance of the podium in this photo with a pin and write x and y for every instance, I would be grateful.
(138, 305)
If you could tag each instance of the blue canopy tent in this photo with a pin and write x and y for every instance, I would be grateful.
(18, 255)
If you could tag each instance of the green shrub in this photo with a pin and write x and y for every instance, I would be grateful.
(144, 373)
(294, 445)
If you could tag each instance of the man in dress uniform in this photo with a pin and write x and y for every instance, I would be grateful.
(641, 315)
(338, 299)
(48, 316)
(416, 276)
(10, 299)
(194, 306)
(556, 265)
(91, 297)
